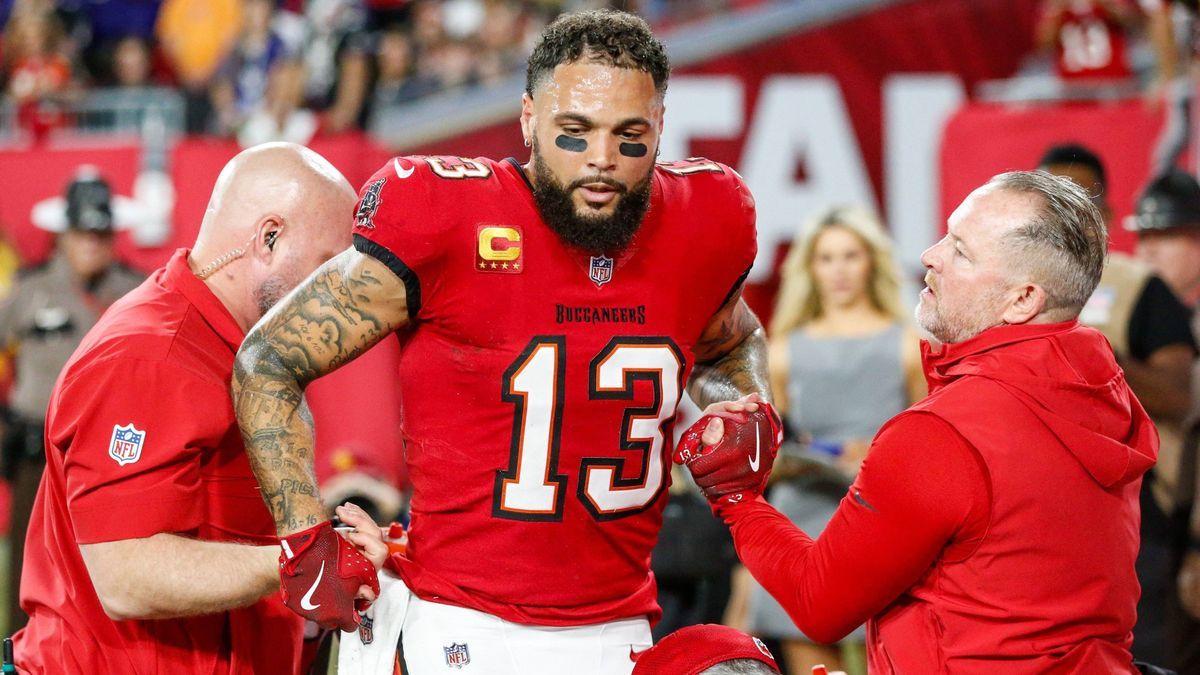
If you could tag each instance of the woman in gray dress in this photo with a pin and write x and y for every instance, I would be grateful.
(843, 361)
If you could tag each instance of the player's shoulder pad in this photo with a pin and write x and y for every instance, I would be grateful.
(416, 184)
(707, 185)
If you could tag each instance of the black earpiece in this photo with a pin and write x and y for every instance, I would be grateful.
(270, 240)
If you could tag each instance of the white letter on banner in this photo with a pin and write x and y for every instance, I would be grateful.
(700, 106)
(915, 109)
(800, 119)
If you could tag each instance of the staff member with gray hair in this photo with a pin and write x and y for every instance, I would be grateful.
(994, 525)
(50, 309)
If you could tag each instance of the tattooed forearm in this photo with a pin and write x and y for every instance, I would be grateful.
(346, 307)
(731, 358)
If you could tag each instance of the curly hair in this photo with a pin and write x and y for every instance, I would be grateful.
(607, 36)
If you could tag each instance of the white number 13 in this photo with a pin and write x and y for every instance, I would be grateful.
(531, 488)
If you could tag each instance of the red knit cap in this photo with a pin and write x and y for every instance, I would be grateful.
(690, 650)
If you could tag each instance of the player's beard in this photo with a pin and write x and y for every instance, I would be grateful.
(594, 234)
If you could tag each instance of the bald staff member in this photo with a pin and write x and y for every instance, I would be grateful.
(150, 549)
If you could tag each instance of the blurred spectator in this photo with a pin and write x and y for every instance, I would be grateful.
(1167, 221)
(101, 24)
(1171, 29)
(195, 36)
(257, 90)
(396, 77)
(38, 72)
(1149, 330)
(451, 63)
(1089, 37)
(843, 361)
(337, 63)
(43, 320)
(707, 650)
(131, 66)
(426, 18)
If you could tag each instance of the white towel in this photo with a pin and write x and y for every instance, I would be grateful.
(381, 626)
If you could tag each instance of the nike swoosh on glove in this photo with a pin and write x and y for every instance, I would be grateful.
(319, 574)
(736, 468)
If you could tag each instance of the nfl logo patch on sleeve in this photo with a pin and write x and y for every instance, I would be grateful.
(126, 444)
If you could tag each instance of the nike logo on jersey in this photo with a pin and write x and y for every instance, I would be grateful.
(402, 173)
(756, 459)
(306, 601)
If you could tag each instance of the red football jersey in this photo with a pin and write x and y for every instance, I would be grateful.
(540, 384)
(1091, 43)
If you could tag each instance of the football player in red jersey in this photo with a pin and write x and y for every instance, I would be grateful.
(552, 315)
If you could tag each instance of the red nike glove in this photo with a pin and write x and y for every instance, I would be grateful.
(737, 467)
(320, 572)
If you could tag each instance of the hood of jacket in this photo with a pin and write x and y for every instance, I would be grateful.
(1067, 376)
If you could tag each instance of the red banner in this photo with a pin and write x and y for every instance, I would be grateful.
(984, 140)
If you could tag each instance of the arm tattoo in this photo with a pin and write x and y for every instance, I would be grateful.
(731, 357)
(326, 322)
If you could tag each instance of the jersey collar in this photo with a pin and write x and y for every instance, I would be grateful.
(177, 275)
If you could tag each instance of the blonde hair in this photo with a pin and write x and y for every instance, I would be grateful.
(799, 302)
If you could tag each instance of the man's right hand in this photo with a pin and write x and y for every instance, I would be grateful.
(320, 574)
(730, 450)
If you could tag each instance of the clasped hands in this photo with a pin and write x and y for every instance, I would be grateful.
(730, 450)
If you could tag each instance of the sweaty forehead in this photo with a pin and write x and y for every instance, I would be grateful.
(599, 91)
(990, 212)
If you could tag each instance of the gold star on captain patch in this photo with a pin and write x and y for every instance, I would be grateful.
(516, 266)
(504, 266)
(482, 265)
(493, 265)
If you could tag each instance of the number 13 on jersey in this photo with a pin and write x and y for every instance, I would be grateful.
(533, 488)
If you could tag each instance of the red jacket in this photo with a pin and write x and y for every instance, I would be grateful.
(994, 526)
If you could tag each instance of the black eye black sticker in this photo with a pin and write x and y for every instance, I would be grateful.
(570, 144)
(634, 149)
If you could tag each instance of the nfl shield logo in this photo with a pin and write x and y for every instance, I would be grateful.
(601, 269)
(126, 444)
(457, 655)
(366, 631)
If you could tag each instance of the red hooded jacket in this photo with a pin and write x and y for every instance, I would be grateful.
(994, 525)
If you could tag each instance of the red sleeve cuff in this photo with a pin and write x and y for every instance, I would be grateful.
(135, 519)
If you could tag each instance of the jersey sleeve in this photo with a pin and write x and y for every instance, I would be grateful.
(921, 488)
(396, 223)
(133, 432)
(739, 220)
(723, 214)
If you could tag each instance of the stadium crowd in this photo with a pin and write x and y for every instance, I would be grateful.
(276, 70)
